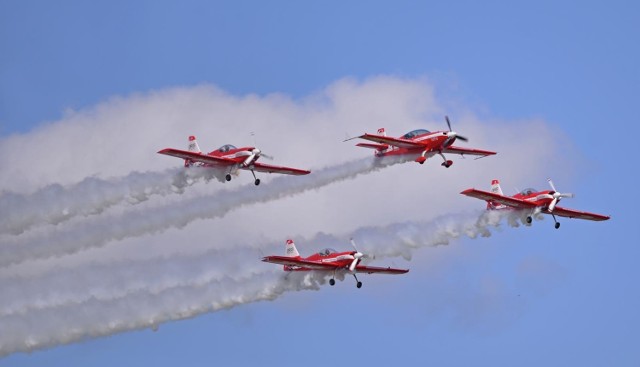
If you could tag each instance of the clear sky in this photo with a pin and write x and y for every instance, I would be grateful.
(559, 80)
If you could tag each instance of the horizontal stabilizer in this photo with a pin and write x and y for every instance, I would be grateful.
(379, 147)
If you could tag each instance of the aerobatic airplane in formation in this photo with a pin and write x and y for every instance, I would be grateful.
(533, 201)
(420, 143)
(229, 160)
(329, 260)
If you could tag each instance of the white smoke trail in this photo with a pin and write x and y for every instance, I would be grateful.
(61, 325)
(68, 305)
(400, 239)
(63, 286)
(55, 203)
(97, 231)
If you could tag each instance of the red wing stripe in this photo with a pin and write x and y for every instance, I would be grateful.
(468, 151)
(400, 143)
(570, 213)
(506, 200)
(379, 147)
(379, 270)
(284, 260)
(196, 157)
(261, 167)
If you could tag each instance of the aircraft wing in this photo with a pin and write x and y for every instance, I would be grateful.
(291, 261)
(396, 142)
(570, 213)
(376, 269)
(467, 151)
(261, 167)
(506, 200)
(196, 157)
(316, 265)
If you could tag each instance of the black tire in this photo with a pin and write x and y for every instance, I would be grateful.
(557, 225)
(228, 177)
(529, 220)
(359, 285)
(332, 282)
(257, 182)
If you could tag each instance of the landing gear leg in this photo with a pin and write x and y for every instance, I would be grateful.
(358, 283)
(422, 158)
(557, 225)
(257, 180)
(447, 163)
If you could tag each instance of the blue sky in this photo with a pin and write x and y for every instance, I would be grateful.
(561, 297)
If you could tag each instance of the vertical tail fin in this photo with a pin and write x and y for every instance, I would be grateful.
(496, 189)
(193, 147)
(290, 251)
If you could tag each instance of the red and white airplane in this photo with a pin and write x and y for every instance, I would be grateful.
(420, 143)
(534, 201)
(230, 159)
(328, 260)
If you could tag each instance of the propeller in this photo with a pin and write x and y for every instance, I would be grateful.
(453, 134)
(556, 196)
(269, 157)
(260, 154)
(254, 154)
(357, 255)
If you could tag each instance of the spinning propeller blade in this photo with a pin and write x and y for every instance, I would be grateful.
(356, 256)
(553, 187)
(454, 133)
(556, 196)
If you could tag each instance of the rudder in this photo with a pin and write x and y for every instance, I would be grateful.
(496, 189)
(193, 147)
(290, 249)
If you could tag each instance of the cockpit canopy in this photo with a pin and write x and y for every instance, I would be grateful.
(415, 133)
(327, 252)
(225, 148)
(528, 191)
